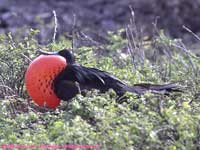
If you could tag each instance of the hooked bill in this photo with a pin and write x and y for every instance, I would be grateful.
(39, 79)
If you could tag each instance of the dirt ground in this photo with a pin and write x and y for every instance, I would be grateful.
(99, 16)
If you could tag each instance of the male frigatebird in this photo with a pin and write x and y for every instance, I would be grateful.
(55, 75)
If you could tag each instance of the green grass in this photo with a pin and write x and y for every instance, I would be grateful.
(149, 122)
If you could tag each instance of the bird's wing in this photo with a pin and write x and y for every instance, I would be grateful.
(92, 78)
(89, 78)
(81, 74)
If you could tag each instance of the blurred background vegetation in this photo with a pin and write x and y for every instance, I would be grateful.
(95, 17)
(153, 41)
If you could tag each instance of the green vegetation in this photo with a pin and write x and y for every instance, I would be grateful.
(152, 121)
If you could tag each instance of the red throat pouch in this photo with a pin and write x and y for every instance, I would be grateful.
(39, 79)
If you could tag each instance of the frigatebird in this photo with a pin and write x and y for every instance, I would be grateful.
(56, 75)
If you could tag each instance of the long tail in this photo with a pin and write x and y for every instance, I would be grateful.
(144, 87)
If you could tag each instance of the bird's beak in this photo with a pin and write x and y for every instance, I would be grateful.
(46, 53)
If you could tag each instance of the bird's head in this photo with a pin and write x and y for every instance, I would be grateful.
(66, 53)
(41, 73)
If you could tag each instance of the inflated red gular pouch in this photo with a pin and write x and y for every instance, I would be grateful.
(39, 79)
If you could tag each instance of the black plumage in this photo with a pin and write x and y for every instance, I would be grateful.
(75, 79)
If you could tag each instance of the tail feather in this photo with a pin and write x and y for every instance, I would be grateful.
(144, 87)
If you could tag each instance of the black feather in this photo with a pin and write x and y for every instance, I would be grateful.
(87, 78)
(75, 79)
